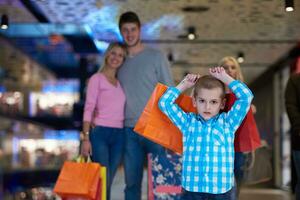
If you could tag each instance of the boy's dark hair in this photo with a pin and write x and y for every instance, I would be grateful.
(129, 17)
(208, 82)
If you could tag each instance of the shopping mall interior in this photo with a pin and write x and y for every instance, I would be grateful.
(49, 49)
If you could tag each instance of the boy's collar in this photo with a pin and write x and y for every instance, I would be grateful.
(200, 118)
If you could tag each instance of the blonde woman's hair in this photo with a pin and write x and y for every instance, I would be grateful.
(109, 48)
(236, 64)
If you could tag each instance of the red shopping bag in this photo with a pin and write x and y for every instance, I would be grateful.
(79, 181)
(247, 136)
(156, 126)
(99, 190)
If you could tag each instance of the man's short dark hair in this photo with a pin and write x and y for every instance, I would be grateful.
(129, 17)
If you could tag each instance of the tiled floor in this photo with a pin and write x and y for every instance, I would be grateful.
(118, 186)
(246, 193)
(264, 194)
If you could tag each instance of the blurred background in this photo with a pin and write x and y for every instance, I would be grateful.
(49, 48)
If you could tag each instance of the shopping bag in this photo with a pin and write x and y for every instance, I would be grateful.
(247, 137)
(102, 188)
(81, 181)
(156, 126)
(103, 183)
(164, 176)
(262, 169)
(98, 194)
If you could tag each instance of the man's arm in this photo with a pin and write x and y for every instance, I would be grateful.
(165, 75)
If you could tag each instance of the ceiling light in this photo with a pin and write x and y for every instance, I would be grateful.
(196, 9)
(240, 57)
(289, 5)
(191, 33)
(170, 56)
(4, 22)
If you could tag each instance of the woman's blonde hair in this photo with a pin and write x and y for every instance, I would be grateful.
(236, 64)
(108, 50)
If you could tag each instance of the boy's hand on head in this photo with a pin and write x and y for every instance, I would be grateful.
(217, 72)
(188, 82)
(220, 73)
(190, 79)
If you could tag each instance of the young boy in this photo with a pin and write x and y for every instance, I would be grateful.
(208, 137)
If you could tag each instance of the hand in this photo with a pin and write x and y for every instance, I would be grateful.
(253, 108)
(220, 73)
(86, 148)
(188, 81)
(217, 72)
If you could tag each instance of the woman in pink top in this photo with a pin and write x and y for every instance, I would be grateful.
(104, 109)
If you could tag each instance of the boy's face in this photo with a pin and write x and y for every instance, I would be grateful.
(209, 102)
(130, 33)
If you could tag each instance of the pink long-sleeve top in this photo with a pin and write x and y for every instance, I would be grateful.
(105, 103)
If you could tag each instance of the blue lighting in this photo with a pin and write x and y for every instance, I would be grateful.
(2, 89)
(88, 29)
(101, 45)
(62, 86)
(102, 23)
(61, 134)
(42, 30)
(152, 30)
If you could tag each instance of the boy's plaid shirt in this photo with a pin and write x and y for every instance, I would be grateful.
(208, 146)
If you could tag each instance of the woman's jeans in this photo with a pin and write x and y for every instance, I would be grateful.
(240, 162)
(186, 195)
(296, 158)
(107, 149)
(136, 149)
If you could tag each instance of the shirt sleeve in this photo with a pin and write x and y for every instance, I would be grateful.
(91, 98)
(241, 106)
(164, 70)
(168, 106)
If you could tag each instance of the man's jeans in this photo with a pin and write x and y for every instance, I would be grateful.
(107, 149)
(136, 149)
(296, 157)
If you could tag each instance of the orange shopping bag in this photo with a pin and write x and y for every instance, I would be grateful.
(79, 181)
(156, 126)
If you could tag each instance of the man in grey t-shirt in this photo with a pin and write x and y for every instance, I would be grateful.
(143, 69)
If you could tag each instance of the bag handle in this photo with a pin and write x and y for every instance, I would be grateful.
(83, 159)
(250, 165)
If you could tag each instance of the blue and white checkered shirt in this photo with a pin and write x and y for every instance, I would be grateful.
(208, 146)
